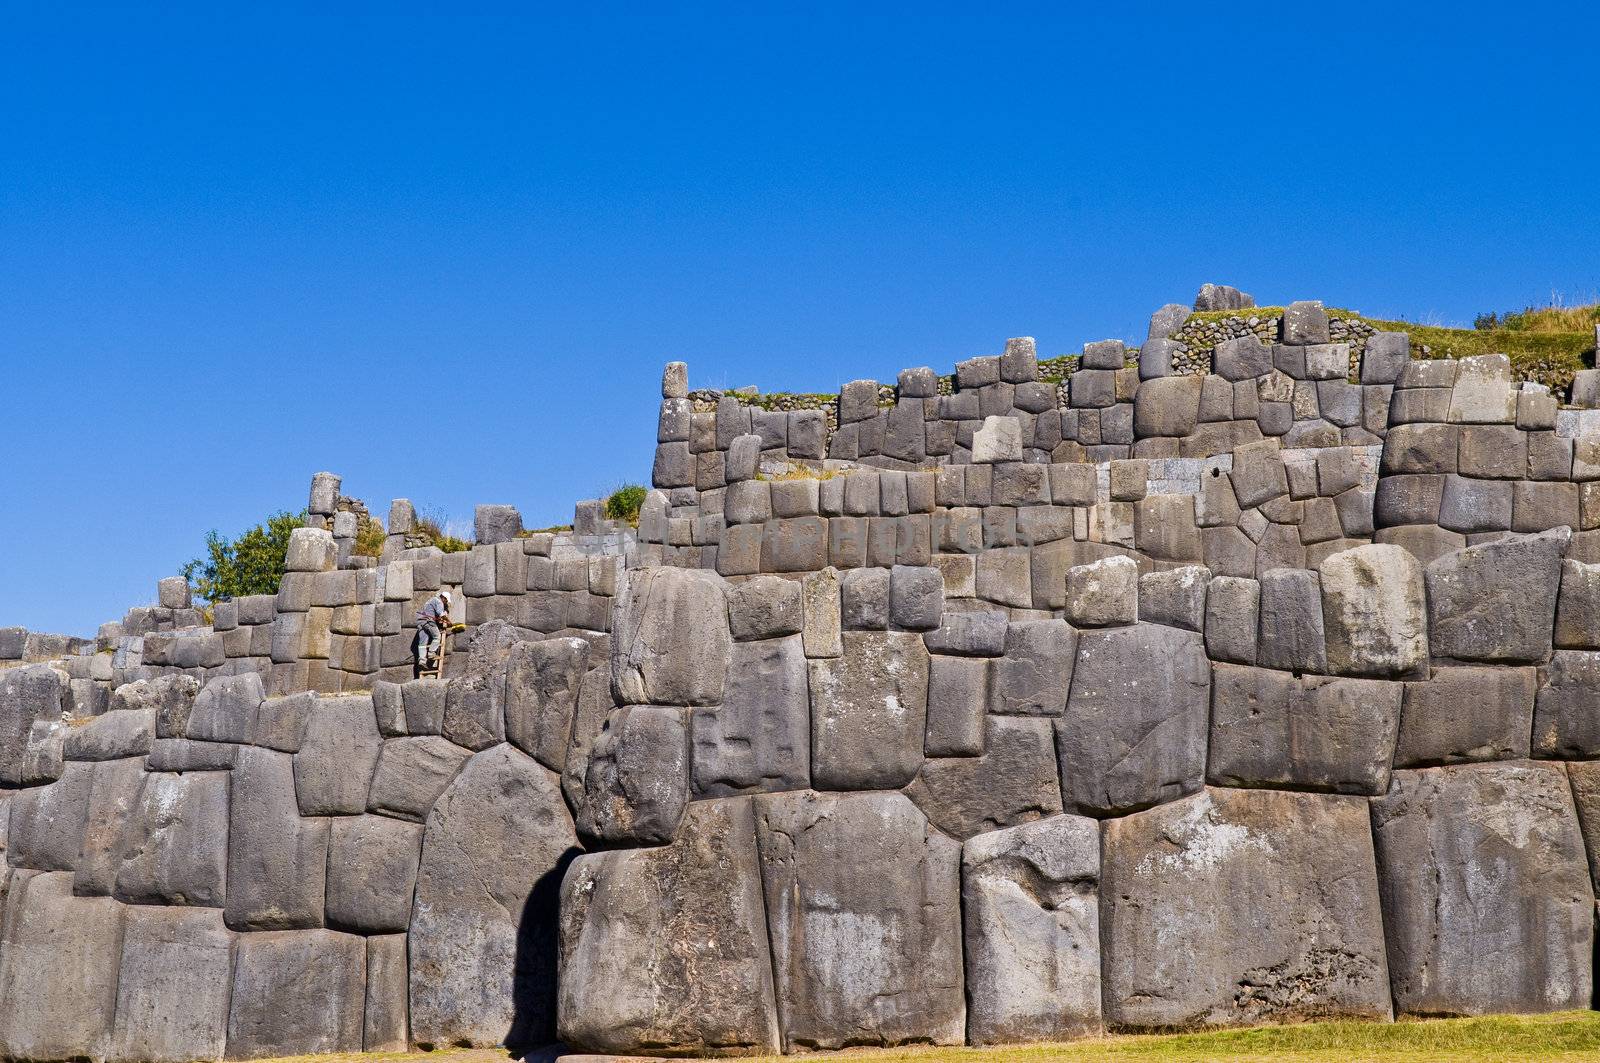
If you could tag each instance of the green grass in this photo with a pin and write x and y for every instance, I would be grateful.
(1560, 1038)
(625, 502)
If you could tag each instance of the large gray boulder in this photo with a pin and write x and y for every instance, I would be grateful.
(1134, 731)
(1497, 601)
(670, 639)
(541, 695)
(28, 695)
(868, 709)
(1242, 906)
(372, 873)
(1565, 723)
(114, 799)
(1035, 672)
(225, 710)
(683, 969)
(297, 992)
(1012, 781)
(482, 926)
(636, 786)
(1465, 714)
(277, 861)
(1030, 898)
(1487, 899)
(58, 973)
(864, 914)
(1270, 729)
(1374, 611)
(48, 822)
(759, 738)
(412, 773)
(333, 770)
(173, 985)
(175, 845)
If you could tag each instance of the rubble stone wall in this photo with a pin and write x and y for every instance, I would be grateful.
(1014, 710)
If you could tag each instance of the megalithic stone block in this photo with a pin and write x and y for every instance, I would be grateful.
(173, 985)
(1217, 911)
(1482, 857)
(861, 958)
(483, 957)
(684, 970)
(1030, 897)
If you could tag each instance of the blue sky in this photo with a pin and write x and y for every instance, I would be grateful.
(446, 256)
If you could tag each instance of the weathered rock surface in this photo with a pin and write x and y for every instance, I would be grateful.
(637, 784)
(1496, 601)
(759, 738)
(665, 949)
(1375, 612)
(1012, 781)
(482, 941)
(1030, 899)
(868, 711)
(1134, 731)
(1484, 861)
(297, 991)
(173, 986)
(670, 639)
(277, 861)
(541, 695)
(1240, 906)
(864, 914)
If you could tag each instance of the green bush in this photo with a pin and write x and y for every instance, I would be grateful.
(251, 564)
(625, 502)
(370, 538)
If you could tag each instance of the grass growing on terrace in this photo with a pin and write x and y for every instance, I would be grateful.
(1561, 1038)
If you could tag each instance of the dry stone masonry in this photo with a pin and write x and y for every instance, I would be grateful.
(1249, 676)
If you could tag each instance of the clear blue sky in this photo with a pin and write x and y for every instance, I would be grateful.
(447, 256)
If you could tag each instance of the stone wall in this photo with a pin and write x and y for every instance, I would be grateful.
(996, 709)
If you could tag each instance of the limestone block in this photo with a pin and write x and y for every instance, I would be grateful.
(58, 969)
(819, 600)
(1327, 361)
(958, 693)
(916, 597)
(385, 1025)
(297, 991)
(970, 633)
(1483, 391)
(1482, 860)
(1103, 592)
(1233, 609)
(1539, 506)
(1420, 448)
(425, 703)
(1258, 474)
(759, 738)
(1035, 673)
(636, 785)
(541, 695)
(795, 498)
(1386, 354)
(493, 853)
(1013, 780)
(1164, 528)
(686, 969)
(1004, 576)
(1175, 597)
(1496, 601)
(372, 872)
(412, 773)
(1134, 730)
(311, 550)
(1242, 359)
(48, 822)
(1578, 607)
(1032, 931)
(1000, 439)
(1492, 452)
(1564, 720)
(173, 985)
(174, 846)
(670, 640)
(112, 736)
(1375, 613)
(1305, 322)
(1466, 714)
(113, 799)
(1292, 626)
(1271, 729)
(1217, 911)
(277, 861)
(861, 958)
(333, 769)
(868, 712)
(225, 710)
(28, 695)
(1469, 505)
(864, 599)
(173, 592)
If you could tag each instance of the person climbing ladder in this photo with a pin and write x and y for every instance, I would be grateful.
(433, 621)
